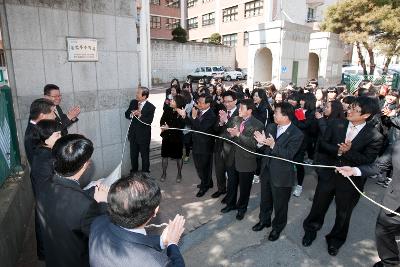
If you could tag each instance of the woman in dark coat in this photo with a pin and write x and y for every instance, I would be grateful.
(172, 140)
(263, 111)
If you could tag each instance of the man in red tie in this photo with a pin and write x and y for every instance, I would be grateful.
(241, 132)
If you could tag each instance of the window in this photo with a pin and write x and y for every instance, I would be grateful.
(172, 23)
(209, 19)
(155, 2)
(191, 3)
(172, 3)
(206, 40)
(192, 23)
(229, 39)
(208, 69)
(155, 22)
(310, 15)
(229, 14)
(245, 38)
(253, 8)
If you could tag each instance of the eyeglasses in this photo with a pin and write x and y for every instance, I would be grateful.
(55, 96)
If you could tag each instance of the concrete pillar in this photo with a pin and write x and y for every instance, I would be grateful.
(145, 47)
(183, 13)
(218, 15)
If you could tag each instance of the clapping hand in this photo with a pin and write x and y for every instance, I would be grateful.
(270, 141)
(223, 116)
(260, 137)
(172, 233)
(346, 171)
(318, 115)
(388, 112)
(181, 112)
(194, 112)
(233, 131)
(73, 113)
(344, 147)
(101, 193)
(164, 127)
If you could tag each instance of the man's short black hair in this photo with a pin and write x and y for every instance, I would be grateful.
(286, 109)
(368, 105)
(145, 91)
(249, 103)
(133, 200)
(40, 106)
(230, 93)
(71, 152)
(46, 128)
(207, 98)
(50, 87)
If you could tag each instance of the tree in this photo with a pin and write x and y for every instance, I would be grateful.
(215, 38)
(179, 35)
(346, 18)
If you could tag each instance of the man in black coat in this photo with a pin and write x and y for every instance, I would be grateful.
(41, 109)
(387, 224)
(140, 134)
(52, 92)
(203, 119)
(241, 131)
(351, 142)
(65, 210)
(120, 239)
(282, 139)
(223, 156)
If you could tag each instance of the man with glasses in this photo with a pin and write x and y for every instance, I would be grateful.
(352, 142)
(52, 92)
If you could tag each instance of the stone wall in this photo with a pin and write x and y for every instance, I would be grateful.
(34, 34)
(170, 59)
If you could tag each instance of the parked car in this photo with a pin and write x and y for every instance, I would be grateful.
(243, 71)
(231, 74)
(206, 73)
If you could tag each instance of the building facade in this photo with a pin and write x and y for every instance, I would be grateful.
(166, 15)
(232, 19)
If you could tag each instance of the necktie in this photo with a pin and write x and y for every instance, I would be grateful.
(229, 114)
(242, 126)
(351, 133)
(140, 106)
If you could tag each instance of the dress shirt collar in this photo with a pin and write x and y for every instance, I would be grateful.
(143, 103)
(33, 122)
(136, 230)
(358, 127)
(232, 110)
(203, 111)
(283, 128)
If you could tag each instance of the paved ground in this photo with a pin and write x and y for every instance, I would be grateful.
(213, 239)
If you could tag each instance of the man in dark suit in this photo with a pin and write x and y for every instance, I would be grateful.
(282, 139)
(241, 131)
(203, 119)
(41, 109)
(223, 156)
(52, 92)
(351, 142)
(120, 239)
(387, 224)
(65, 210)
(139, 134)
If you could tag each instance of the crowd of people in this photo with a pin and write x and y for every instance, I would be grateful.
(356, 132)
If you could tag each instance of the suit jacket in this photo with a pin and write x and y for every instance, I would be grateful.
(65, 214)
(62, 118)
(281, 173)
(42, 169)
(31, 141)
(203, 144)
(222, 147)
(392, 195)
(111, 245)
(245, 161)
(365, 148)
(138, 132)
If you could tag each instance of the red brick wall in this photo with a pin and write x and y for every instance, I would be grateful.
(163, 10)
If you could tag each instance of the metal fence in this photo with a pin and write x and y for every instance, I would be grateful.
(10, 160)
(353, 81)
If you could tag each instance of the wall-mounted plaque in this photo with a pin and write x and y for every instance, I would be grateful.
(82, 49)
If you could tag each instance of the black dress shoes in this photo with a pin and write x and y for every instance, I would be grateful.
(332, 250)
(223, 201)
(201, 192)
(227, 209)
(308, 238)
(259, 226)
(217, 194)
(240, 215)
(274, 235)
